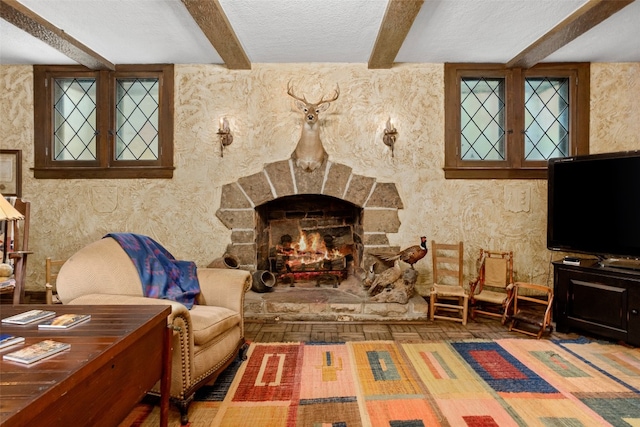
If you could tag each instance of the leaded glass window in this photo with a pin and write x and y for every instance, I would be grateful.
(482, 119)
(546, 118)
(508, 122)
(137, 119)
(103, 124)
(75, 126)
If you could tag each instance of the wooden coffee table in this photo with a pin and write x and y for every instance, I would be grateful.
(115, 358)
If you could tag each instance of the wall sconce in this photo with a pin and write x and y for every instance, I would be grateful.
(225, 135)
(390, 135)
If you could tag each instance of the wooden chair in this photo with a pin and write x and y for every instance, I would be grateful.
(16, 247)
(533, 308)
(51, 268)
(448, 299)
(491, 291)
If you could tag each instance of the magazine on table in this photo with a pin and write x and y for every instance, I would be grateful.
(37, 351)
(30, 316)
(7, 340)
(64, 321)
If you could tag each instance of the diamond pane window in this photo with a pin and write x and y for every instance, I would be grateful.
(482, 106)
(546, 118)
(137, 103)
(74, 117)
(506, 123)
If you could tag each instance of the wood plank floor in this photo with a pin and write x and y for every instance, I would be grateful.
(406, 331)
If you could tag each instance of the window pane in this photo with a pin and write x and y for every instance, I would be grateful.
(74, 112)
(482, 102)
(546, 118)
(137, 119)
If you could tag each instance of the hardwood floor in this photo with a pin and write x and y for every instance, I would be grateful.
(482, 328)
(406, 331)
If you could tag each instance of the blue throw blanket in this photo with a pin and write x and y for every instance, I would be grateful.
(162, 276)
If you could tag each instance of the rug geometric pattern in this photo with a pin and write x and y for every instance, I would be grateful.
(466, 383)
(478, 383)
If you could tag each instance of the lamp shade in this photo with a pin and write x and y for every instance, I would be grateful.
(7, 211)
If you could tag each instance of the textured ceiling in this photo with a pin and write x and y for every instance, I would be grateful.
(295, 31)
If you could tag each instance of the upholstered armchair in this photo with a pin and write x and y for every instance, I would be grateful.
(206, 338)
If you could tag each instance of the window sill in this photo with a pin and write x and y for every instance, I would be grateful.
(492, 173)
(104, 173)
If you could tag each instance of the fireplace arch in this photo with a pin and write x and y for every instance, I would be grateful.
(377, 203)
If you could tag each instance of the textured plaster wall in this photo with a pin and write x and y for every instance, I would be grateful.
(180, 213)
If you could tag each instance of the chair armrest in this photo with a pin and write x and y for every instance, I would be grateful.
(18, 254)
(473, 284)
(223, 287)
(534, 286)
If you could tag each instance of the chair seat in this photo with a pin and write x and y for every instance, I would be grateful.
(492, 297)
(210, 321)
(448, 290)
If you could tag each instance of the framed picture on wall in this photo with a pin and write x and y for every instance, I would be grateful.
(11, 173)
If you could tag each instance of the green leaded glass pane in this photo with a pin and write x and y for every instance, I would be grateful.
(137, 119)
(482, 118)
(74, 118)
(546, 118)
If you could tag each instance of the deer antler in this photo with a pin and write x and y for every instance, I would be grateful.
(304, 99)
(290, 93)
(335, 96)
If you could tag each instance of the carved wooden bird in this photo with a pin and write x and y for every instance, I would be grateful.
(386, 278)
(411, 255)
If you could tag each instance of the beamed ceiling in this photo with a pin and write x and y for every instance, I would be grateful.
(236, 33)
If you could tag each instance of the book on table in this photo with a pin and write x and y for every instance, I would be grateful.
(8, 283)
(7, 340)
(30, 316)
(37, 351)
(64, 321)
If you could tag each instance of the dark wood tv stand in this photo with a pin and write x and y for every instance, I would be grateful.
(600, 300)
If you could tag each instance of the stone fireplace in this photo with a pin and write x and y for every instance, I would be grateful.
(355, 210)
(282, 206)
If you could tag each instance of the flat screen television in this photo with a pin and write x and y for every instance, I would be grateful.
(594, 207)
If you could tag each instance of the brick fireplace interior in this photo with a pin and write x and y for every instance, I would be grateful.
(307, 236)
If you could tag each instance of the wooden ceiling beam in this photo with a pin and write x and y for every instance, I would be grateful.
(397, 21)
(213, 22)
(582, 20)
(25, 19)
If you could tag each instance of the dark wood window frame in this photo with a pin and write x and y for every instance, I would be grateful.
(514, 166)
(105, 165)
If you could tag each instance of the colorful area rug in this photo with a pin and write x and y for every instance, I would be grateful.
(508, 382)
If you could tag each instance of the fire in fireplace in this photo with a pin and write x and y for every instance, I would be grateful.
(309, 237)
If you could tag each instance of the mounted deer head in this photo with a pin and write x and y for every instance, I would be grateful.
(309, 153)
